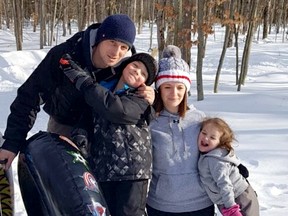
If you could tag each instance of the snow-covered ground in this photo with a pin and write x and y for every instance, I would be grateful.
(258, 113)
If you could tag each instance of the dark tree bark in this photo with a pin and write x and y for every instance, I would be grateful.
(17, 8)
(200, 92)
(248, 43)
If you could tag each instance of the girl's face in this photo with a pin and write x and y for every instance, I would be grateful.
(172, 94)
(135, 74)
(209, 138)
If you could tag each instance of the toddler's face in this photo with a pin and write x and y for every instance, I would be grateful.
(209, 138)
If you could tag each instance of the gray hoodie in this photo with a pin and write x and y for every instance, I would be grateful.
(220, 176)
(175, 185)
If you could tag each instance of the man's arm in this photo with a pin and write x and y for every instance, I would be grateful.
(24, 109)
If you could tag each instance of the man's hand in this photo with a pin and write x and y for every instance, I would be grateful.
(6, 157)
(147, 92)
(74, 72)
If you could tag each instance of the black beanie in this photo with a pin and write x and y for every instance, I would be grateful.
(117, 27)
(149, 62)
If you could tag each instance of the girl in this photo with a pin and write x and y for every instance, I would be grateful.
(219, 173)
(175, 187)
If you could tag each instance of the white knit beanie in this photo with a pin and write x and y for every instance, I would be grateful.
(172, 68)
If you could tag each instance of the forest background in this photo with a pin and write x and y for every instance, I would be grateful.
(178, 22)
(258, 113)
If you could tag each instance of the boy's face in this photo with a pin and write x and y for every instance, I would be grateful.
(135, 74)
(209, 138)
(108, 53)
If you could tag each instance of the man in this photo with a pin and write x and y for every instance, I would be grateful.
(100, 46)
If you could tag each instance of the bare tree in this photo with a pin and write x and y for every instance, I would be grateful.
(237, 23)
(1, 12)
(52, 22)
(140, 16)
(36, 15)
(160, 21)
(151, 4)
(271, 14)
(248, 43)
(225, 45)
(64, 6)
(266, 19)
(81, 14)
(17, 14)
(7, 12)
(171, 24)
(284, 19)
(279, 13)
(42, 12)
(200, 52)
(186, 31)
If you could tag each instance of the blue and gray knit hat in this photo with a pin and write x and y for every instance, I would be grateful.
(117, 27)
(172, 68)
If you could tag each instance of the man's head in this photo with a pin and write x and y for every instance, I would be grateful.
(117, 27)
(115, 37)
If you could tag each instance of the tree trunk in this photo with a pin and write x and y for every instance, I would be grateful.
(160, 21)
(170, 21)
(248, 42)
(266, 20)
(17, 9)
(200, 17)
(36, 15)
(236, 33)
(42, 24)
(7, 12)
(140, 16)
(246, 5)
(151, 4)
(279, 15)
(271, 15)
(52, 23)
(81, 14)
(1, 12)
(186, 31)
(65, 17)
(284, 6)
(225, 45)
(178, 24)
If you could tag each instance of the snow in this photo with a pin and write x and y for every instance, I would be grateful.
(258, 113)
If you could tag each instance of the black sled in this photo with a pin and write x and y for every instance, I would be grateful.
(55, 179)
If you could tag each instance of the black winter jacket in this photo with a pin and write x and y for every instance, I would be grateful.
(49, 86)
(121, 144)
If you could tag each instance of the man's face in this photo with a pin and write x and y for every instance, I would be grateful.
(108, 53)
